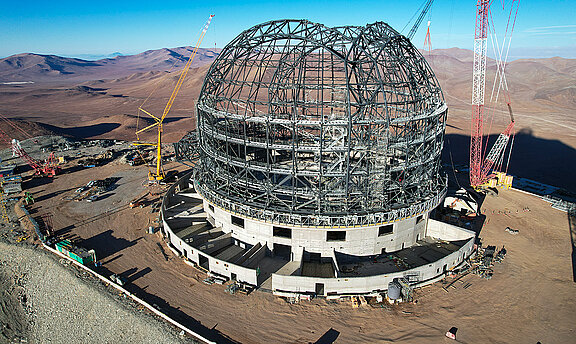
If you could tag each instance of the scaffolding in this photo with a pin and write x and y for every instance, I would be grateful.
(299, 122)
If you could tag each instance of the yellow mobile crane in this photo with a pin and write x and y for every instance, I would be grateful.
(159, 174)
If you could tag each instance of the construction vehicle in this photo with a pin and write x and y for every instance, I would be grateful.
(120, 280)
(79, 254)
(48, 168)
(482, 167)
(136, 204)
(28, 198)
(159, 175)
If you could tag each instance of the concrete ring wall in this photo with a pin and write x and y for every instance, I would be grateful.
(284, 284)
(426, 274)
(358, 241)
(192, 254)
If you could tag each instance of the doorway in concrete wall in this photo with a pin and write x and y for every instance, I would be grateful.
(319, 289)
(204, 262)
(282, 251)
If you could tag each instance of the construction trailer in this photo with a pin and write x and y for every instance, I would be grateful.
(11, 187)
(7, 170)
(79, 254)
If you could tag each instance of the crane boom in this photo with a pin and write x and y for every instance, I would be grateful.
(419, 20)
(185, 70)
(159, 174)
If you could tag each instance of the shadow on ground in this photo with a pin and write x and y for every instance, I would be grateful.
(547, 161)
(107, 243)
(329, 337)
(173, 312)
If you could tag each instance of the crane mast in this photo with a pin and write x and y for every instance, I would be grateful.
(480, 168)
(478, 87)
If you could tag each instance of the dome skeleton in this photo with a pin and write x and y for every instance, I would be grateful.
(298, 119)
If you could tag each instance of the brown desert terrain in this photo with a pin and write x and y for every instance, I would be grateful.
(530, 298)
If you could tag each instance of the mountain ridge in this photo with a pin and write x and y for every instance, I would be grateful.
(49, 68)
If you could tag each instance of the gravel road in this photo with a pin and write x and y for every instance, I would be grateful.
(44, 300)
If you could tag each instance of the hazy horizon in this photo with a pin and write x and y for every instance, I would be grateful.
(515, 53)
(69, 28)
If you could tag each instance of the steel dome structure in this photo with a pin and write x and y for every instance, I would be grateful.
(303, 124)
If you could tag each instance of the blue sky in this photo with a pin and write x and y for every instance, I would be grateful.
(77, 28)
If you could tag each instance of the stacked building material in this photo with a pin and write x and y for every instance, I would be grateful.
(79, 254)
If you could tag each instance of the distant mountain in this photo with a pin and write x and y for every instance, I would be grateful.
(95, 57)
(48, 68)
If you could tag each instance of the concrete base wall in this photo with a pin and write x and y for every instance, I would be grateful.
(446, 231)
(425, 274)
(359, 241)
(194, 255)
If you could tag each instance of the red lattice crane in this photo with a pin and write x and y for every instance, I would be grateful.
(48, 168)
(481, 168)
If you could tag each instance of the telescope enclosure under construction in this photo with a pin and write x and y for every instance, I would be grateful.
(319, 144)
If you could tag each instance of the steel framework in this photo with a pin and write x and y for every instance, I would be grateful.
(478, 86)
(299, 121)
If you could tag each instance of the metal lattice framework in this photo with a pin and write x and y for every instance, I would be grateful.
(296, 119)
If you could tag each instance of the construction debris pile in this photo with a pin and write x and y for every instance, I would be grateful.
(92, 190)
(483, 262)
(98, 160)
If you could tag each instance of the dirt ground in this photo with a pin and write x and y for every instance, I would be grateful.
(530, 298)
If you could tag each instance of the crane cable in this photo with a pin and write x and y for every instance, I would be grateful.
(176, 89)
(500, 65)
(26, 134)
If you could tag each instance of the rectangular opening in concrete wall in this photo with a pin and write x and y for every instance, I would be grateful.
(319, 289)
(387, 229)
(211, 207)
(336, 236)
(282, 232)
(419, 219)
(237, 221)
(282, 251)
(204, 262)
